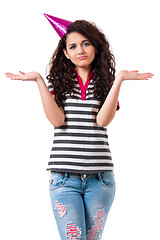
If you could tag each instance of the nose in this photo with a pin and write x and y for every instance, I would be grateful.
(80, 50)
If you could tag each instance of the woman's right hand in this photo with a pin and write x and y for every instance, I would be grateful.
(31, 76)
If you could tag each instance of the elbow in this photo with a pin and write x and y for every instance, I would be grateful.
(104, 122)
(57, 122)
(100, 122)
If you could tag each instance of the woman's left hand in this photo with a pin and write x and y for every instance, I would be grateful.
(133, 75)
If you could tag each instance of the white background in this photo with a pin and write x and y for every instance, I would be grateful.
(27, 42)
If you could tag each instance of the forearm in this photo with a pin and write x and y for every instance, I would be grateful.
(54, 113)
(109, 107)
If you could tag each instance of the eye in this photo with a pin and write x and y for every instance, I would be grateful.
(72, 47)
(86, 44)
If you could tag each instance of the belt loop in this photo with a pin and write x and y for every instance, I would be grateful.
(66, 174)
(99, 175)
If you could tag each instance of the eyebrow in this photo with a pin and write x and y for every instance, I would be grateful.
(82, 42)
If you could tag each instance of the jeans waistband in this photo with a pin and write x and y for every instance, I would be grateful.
(79, 175)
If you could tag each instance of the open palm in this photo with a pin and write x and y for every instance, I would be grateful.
(134, 75)
(31, 76)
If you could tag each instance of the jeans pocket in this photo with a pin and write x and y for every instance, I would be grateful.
(57, 180)
(107, 178)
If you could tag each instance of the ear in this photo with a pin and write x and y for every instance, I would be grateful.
(65, 53)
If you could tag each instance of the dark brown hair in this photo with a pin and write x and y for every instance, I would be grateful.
(61, 74)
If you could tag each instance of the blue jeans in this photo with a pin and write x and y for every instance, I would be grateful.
(81, 203)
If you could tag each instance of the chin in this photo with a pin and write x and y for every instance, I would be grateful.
(83, 64)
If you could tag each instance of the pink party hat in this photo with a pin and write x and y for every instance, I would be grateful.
(60, 25)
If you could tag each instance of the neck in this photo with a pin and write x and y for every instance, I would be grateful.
(83, 73)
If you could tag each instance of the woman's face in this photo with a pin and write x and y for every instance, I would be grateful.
(79, 50)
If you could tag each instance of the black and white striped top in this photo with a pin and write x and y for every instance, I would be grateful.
(80, 145)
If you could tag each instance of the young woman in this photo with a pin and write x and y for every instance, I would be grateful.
(80, 101)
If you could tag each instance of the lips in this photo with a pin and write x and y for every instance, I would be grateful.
(82, 57)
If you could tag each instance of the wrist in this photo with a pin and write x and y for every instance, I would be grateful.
(39, 79)
(119, 78)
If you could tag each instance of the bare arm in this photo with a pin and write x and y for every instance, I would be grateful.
(108, 109)
(54, 113)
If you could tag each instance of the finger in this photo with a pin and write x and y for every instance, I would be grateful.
(150, 74)
(14, 76)
(147, 74)
(10, 74)
(7, 73)
(144, 76)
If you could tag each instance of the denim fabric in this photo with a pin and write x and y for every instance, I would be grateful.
(81, 203)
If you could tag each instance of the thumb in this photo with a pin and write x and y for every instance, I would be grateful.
(135, 71)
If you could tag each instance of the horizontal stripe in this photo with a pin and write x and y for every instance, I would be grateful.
(83, 105)
(81, 127)
(76, 121)
(89, 124)
(81, 142)
(81, 164)
(80, 112)
(82, 131)
(75, 97)
(50, 86)
(80, 134)
(90, 101)
(80, 149)
(81, 116)
(80, 121)
(91, 88)
(82, 109)
(83, 161)
(76, 92)
(69, 120)
(81, 171)
(79, 156)
(77, 85)
(84, 155)
(87, 144)
(75, 138)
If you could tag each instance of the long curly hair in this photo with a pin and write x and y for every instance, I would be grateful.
(61, 74)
